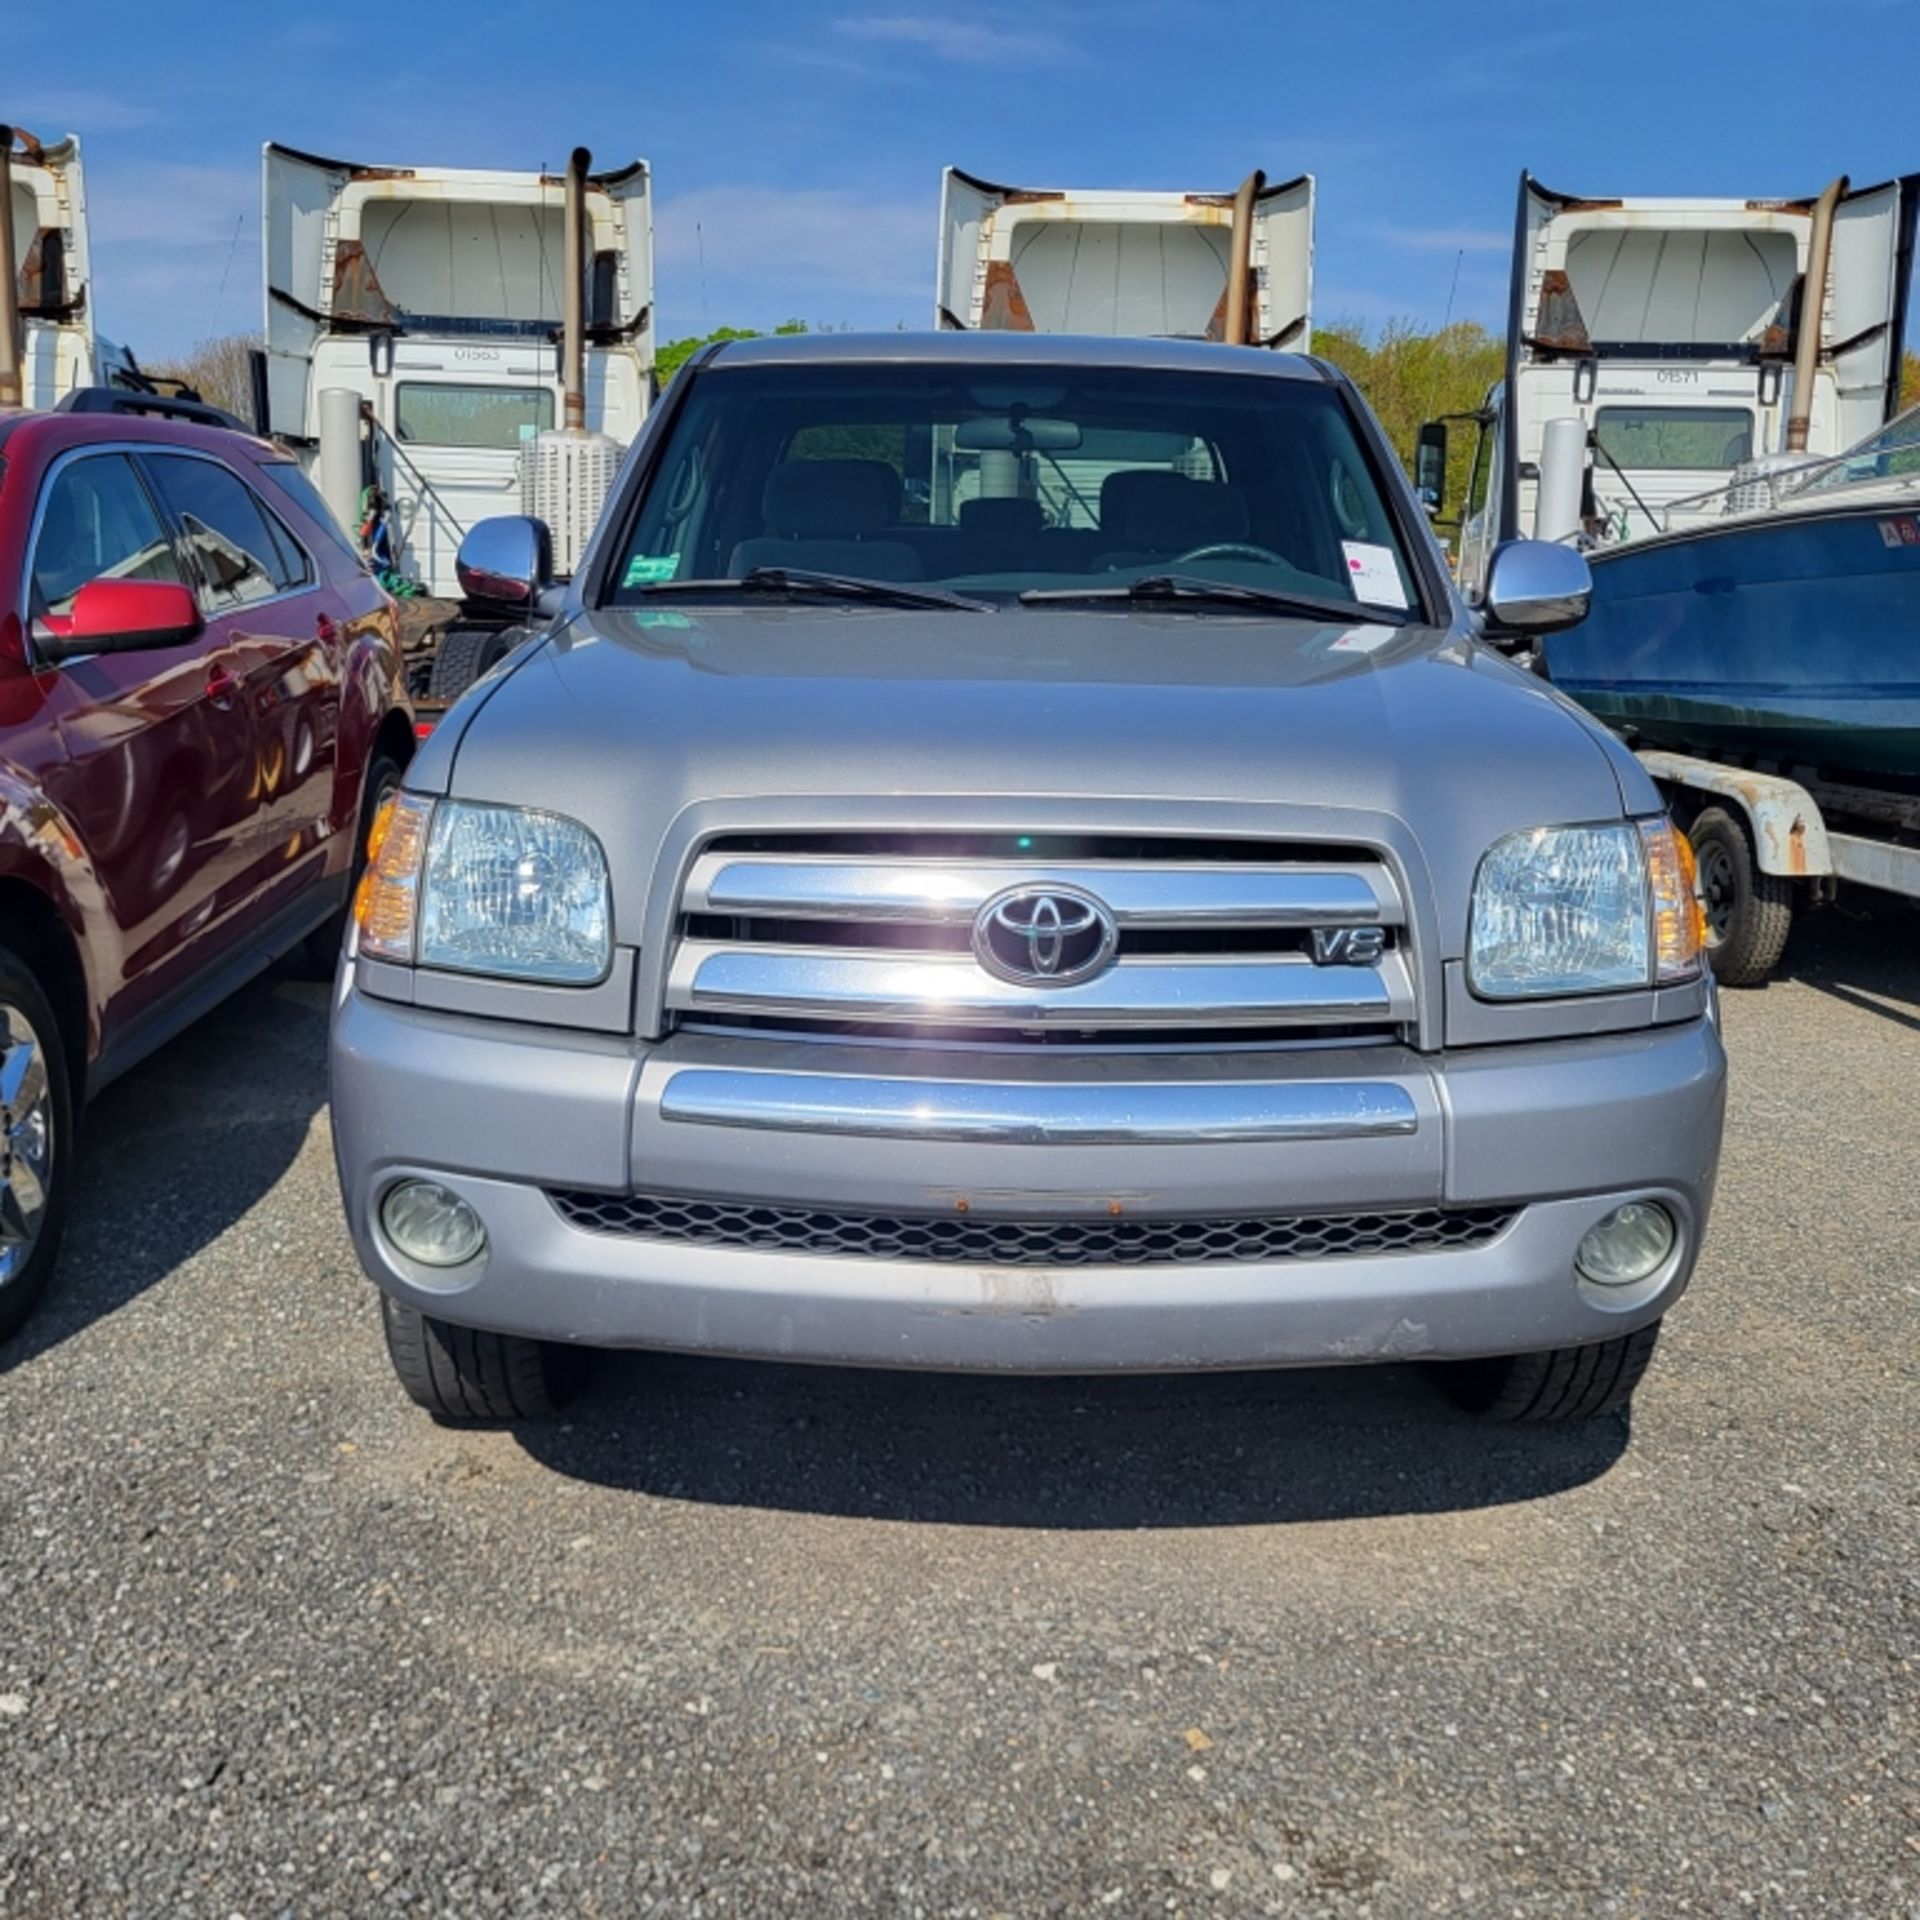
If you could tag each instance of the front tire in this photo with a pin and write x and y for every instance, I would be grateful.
(463, 1375)
(1749, 913)
(36, 1141)
(1566, 1383)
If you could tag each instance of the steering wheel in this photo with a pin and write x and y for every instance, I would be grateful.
(1233, 550)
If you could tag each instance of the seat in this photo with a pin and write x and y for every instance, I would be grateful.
(1167, 514)
(830, 516)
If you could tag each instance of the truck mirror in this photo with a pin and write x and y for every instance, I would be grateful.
(1430, 466)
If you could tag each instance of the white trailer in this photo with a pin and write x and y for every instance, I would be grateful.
(1668, 332)
(439, 296)
(1235, 266)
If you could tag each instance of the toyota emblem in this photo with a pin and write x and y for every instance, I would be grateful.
(1044, 936)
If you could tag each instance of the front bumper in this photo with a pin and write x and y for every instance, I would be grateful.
(1561, 1131)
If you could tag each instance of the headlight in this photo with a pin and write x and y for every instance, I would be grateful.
(1566, 910)
(507, 891)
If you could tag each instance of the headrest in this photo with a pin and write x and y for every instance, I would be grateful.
(830, 499)
(1116, 495)
(1003, 519)
(1168, 513)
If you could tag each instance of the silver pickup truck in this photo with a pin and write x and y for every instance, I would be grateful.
(1011, 855)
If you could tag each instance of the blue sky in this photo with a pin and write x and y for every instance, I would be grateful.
(797, 148)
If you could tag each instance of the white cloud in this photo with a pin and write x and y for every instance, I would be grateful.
(1446, 239)
(54, 112)
(971, 42)
(164, 239)
(783, 249)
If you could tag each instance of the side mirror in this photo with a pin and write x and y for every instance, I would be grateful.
(1536, 586)
(120, 616)
(506, 562)
(1430, 466)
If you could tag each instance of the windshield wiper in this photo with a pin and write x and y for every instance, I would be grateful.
(1160, 589)
(803, 581)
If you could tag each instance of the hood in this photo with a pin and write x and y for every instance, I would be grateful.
(798, 717)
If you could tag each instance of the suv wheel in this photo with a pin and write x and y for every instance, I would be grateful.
(1749, 913)
(36, 1141)
(1566, 1383)
(464, 1374)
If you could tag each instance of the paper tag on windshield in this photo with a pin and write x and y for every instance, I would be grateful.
(646, 567)
(1374, 573)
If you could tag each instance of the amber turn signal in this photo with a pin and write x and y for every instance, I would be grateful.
(1679, 925)
(386, 906)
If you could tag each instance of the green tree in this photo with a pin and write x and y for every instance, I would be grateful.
(1410, 377)
(670, 358)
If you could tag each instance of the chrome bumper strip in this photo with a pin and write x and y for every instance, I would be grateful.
(1072, 1113)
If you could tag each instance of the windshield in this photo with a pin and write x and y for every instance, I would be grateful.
(1003, 480)
(1891, 454)
(1675, 439)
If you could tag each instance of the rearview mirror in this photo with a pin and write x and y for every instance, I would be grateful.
(1536, 586)
(1430, 466)
(1033, 434)
(506, 562)
(120, 616)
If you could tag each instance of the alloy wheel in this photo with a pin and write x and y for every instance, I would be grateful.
(26, 1139)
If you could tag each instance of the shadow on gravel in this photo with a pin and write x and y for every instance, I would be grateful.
(1867, 958)
(1212, 1450)
(177, 1151)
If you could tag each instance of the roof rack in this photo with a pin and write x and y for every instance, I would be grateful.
(165, 405)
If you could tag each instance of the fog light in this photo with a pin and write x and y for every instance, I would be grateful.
(1631, 1243)
(431, 1224)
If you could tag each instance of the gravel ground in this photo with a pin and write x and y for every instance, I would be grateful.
(758, 1640)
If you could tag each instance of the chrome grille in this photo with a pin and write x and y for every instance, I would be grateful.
(959, 1238)
(855, 934)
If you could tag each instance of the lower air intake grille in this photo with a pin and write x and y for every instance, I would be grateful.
(955, 1237)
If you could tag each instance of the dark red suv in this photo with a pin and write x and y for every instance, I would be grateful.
(201, 705)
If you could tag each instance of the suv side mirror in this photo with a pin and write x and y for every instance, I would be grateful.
(506, 563)
(1536, 586)
(1430, 467)
(120, 616)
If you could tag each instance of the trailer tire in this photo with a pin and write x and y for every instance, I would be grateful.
(467, 654)
(1749, 913)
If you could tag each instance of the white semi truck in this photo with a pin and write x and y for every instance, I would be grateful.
(1234, 266)
(1656, 355)
(494, 332)
(49, 345)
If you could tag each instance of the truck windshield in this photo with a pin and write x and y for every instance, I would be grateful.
(1675, 439)
(1003, 480)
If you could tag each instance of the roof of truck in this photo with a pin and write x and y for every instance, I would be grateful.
(1031, 349)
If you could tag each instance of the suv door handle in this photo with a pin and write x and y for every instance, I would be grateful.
(221, 687)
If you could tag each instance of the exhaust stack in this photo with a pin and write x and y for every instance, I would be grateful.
(1239, 316)
(1813, 301)
(11, 393)
(573, 337)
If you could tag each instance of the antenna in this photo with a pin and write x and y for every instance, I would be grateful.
(1453, 289)
(213, 321)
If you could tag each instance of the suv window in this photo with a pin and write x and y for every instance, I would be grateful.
(288, 478)
(96, 523)
(241, 557)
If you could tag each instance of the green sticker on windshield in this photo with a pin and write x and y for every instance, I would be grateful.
(645, 567)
